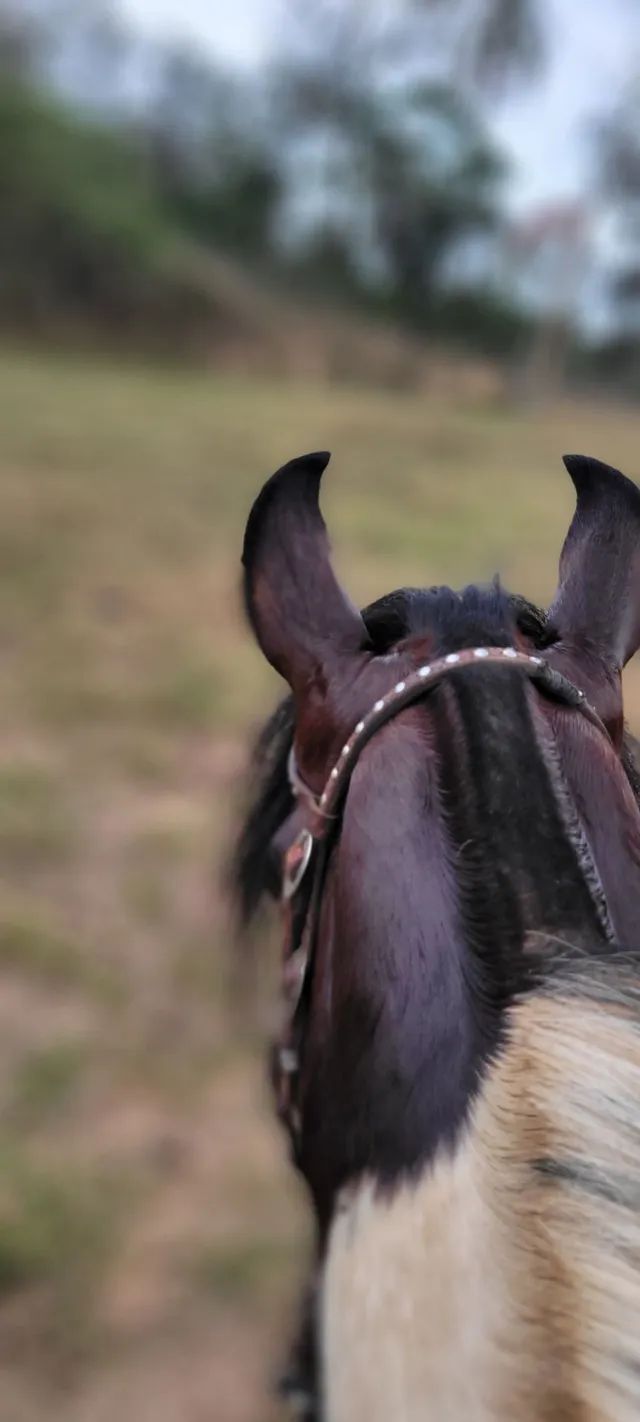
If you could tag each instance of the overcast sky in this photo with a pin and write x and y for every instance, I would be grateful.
(594, 44)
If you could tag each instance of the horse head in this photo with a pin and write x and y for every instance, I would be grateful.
(452, 796)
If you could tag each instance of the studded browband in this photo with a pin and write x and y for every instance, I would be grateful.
(323, 815)
(413, 686)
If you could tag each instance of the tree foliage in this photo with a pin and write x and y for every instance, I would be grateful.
(360, 161)
(618, 182)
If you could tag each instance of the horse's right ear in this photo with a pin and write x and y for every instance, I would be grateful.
(598, 599)
(596, 611)
(303, 621)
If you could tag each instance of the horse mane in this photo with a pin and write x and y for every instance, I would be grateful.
(403, 613)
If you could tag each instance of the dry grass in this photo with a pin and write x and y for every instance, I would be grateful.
(150, 1234)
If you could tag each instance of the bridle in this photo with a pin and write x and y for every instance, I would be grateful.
(301, 899)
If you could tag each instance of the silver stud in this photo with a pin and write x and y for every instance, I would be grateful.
(509, 652)
(452, 658)
(379, 706)
(400, 687)
(334, 773)
(359, 727)
(424, 671)
(345, 750)
(480, 652)
(323, 798)
(537, 661)
(288, 1060)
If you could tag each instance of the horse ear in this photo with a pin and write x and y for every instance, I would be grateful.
(302, 620)
(597, 605)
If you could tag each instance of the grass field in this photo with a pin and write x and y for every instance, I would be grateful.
(150, 1234)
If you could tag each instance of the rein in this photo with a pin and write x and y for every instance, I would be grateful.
(311, 845)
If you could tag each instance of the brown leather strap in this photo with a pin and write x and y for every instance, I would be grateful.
(323, 815)
(412, 688)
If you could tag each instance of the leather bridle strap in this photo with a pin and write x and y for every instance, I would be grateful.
(323, 815)
(412, 688)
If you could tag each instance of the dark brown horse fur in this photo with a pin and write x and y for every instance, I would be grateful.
(469, 1085)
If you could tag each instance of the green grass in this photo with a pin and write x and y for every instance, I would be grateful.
(35, 822)
(154, 863)
(52, 1222)
(126, 491)
(198, 970)
(46, 1082)
(186, 696)
(130, 685)
(241, 1270)
(59, 1228)
(30, 946)
(28, 943)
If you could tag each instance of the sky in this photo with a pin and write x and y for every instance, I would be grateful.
(593, 47)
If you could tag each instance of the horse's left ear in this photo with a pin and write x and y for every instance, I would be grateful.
(303, 621)
(596, 609)
(598, 597)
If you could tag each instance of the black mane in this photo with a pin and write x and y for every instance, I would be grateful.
(459, 619)
(252, 873)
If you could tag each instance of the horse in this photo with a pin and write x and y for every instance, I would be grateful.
(448, 803)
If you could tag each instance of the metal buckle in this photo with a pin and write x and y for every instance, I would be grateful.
(296, 861)
(293, 976)
(288, 1060)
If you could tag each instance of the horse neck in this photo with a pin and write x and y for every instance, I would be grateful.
(503, 1282)
(482, 1249)
(454, 852)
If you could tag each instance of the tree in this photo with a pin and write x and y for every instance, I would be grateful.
(360, 158)
(618, 179)
(548, 258)
(506, 40)
(434, 184)
(209, 153)
(476, 46)
(398, 169)
(83, 236)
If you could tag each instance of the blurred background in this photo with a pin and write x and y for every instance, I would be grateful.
(404, 230)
